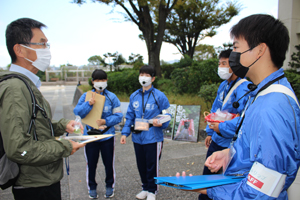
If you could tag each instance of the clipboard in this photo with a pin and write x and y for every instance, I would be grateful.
(197, 182)
(85, 138)
(96, 112)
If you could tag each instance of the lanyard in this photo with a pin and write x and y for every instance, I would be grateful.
(229, 88)
(144, 106)
(261, 89)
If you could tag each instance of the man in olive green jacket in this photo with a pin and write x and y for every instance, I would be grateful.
(41, 163)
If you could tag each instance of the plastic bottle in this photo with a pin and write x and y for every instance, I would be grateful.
(77, 125)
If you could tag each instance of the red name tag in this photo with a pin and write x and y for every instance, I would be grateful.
(255, 182)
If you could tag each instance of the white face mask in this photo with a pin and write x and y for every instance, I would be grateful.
(100, 85)
(223, 72)
(145, 81)
(43, 58)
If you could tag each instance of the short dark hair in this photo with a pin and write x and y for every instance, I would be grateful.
(225, 53)
(260, 28)
(99, 74)
(19, 32)
(148, 69)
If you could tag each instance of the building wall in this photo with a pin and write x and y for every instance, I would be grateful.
(289, 14)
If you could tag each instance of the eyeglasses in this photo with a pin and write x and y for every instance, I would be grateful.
(45, 44)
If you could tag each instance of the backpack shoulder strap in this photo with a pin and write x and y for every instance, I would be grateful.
(278, 88)
(28, 87)
(34, 104)
(237, 84)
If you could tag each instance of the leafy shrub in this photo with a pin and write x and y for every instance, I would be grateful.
(164, 85)
(209, 93)
(167, 69)
(295, 59)
(137, 65)
(90, 81)
(125, 81)
(183, 62)
(294, 78)
(189, 79)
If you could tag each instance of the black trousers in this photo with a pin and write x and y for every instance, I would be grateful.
(213, 147)
(147, 159)
(92, 152)
(51, 192)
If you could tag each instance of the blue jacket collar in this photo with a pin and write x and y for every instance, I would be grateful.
(234, 81)
(94, 90)
(271, 77)
(146, 91)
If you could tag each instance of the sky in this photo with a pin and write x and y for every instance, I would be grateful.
(76, 33)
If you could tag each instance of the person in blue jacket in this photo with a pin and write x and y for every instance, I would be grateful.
(146, 103)
(111, 116)
(232, 89)
(266, 151)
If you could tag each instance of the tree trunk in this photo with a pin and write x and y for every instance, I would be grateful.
(154, 61)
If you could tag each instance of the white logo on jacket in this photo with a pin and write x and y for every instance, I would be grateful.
(107, 108)
(221, 96)
(152, 107)
(135, 104)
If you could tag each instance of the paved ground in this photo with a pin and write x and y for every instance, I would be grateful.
(176, 157)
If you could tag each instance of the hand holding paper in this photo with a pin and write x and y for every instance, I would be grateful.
(202, 191)
(100, 122)
(76, 146)
(96, 112)
(156, 123)
(92, 100)
(217, 160)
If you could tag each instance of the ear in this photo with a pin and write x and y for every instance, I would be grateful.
(18, 51)
(261, 49)
(153, 79)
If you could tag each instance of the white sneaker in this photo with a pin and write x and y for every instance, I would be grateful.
(142, 195)
(151, 196)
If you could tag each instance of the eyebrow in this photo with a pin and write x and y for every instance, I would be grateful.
(235, 42)
(43, 40)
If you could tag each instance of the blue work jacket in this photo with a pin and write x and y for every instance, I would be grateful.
(227, 128)
(269, 135)
(111, 111)
(148, 105)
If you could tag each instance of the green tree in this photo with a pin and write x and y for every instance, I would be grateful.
(133, 58)
(96, 60)
(113, 60)
(295, 59)
(150, 17)
(108, 60)
(192, 20)
(224, 47)
(118, 60)
(204, 52)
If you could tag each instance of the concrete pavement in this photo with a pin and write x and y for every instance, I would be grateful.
(176, 157)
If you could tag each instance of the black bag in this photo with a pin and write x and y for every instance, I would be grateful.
(9, 170)
(97, 132)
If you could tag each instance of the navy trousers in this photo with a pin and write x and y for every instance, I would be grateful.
(51, 192)
(92, 150)
(147, 159)
(211, 149)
